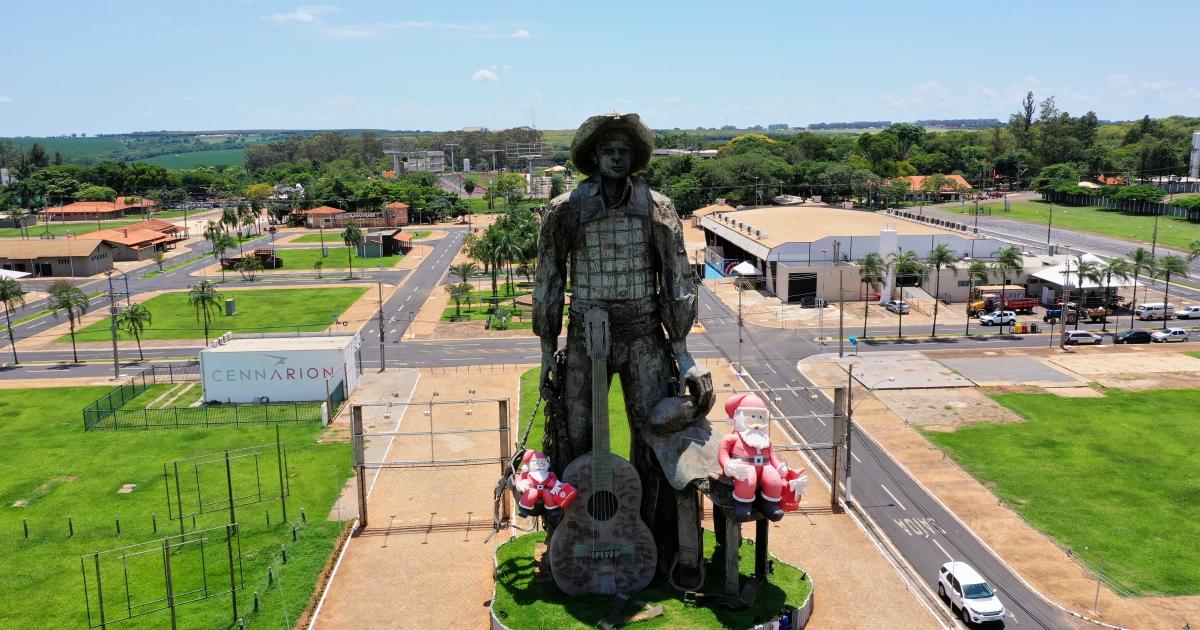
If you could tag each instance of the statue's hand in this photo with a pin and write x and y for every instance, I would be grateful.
(697, 381)
(549, 367)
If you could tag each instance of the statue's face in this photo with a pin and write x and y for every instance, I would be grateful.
(614, 155)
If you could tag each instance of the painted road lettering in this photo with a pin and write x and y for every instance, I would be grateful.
(919, 526)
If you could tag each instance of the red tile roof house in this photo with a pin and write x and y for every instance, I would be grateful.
(320, 217)
(99, 210)
(953, 188)
(132, 243)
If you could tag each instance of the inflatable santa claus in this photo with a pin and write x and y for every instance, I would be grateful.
(746, 457)
(537, 484)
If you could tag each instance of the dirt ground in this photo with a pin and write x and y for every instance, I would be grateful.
(386, 579)
(944, 409)
(1032, 555)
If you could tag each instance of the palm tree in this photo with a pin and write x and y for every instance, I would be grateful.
(352, 236)
(1171, 265)
(65, 296)
(1193, 250)
(134, 320)
(907, 265)
(1140, 261)
(222, 243)
(18, 218)
(458, 291)
(977, 270)
(12, 294)
(206, 300)
(249, 266)
(1008, 263)
(211, 230)
(492, 248)
(229, 218)
(464, 271)
(1084, 270)
(1112, 268)
(940, 256)
(870, 274)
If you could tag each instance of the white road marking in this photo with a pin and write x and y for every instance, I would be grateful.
(935, 543)
(855, 458)
(821, 421)
(894, 499)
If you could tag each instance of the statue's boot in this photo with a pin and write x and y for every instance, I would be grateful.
(741, 510)
(768, 508)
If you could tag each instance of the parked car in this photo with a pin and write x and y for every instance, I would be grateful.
(1169, 335)
(898, 306)
(1077, 337)
(1155, 310)
(1188, 312)
(1132, 336)
(968, 593)
(998, 318)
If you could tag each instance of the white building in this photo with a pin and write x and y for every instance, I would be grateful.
(268, 369)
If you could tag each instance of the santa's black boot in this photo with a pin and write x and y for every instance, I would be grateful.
(522, 511)
(768, 508)
(741, 511)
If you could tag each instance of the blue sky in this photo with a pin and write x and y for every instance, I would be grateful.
(128, 65)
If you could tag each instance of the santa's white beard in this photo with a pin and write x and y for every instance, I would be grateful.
(756, 438)
(539, 475)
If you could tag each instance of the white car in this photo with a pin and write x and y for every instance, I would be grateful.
(1168, 335)
(898, 306)
(969, 595)
(998, 318)
(1077, 337)
(1188, 312)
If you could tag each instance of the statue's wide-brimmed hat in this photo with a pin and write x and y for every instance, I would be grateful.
(594, 128)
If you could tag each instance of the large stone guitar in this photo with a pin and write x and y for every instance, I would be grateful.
(602, 545)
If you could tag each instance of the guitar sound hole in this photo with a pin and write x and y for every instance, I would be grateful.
(602, 505)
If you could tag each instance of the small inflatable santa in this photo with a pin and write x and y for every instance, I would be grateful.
(746, 457)
(536, 484)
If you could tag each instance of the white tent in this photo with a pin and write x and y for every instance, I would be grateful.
(744, 268)
(1066, 275)
(10, 274)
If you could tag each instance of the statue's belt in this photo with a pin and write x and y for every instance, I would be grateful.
(634, 318)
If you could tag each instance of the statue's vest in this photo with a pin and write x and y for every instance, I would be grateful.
(613, 260)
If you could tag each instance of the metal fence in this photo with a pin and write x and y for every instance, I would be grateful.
(1128, 207)
(108, 412)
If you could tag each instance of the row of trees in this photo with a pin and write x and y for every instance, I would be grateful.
(1007, 263)
(66, 297)
(508, 245)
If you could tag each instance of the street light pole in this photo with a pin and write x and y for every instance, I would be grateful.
(850, 421)
(1049, 223)
(112, 316)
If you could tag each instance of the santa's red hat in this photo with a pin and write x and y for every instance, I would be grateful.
(532, 455)
(738, 401)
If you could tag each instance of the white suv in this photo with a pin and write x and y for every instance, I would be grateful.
(998, 318)
(969, 595)
(1188, 312)
(1076, 337)
(1168, 335)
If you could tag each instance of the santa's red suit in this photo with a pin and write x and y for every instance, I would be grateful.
(746, 458)
(766, 468)
(537, 482)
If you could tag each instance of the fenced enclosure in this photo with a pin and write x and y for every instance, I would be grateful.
(226, 480)
(114, 410)
(190, 568)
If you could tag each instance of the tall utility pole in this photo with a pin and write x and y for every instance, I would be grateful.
(839, 425)
(382, 357)
(837, 262)
(1049, 224)
(849, 423)
(112, 316)
(452, 146)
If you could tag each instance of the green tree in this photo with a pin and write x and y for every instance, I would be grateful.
(1114, 267)
(1167, 267)
(977, 271)
(12, 295)
(557, 185)
(469, 187)
(38, 157)
(352, 236)
(940, 256)
(18, 216)
(159, 259)
(134, 319)
(464, 271)
(1008, 262)
(1084, 270)
(229, 218)
(65, 296)
(205, 299)
(906, 265)
(1194, 249)
(221, 244)
(317, 266)
(1140, 262)
(249, 266)
(870, 274)
(458, 291)
(510, 187)
(96, 193)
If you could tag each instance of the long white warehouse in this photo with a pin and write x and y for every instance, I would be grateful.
(261, 369)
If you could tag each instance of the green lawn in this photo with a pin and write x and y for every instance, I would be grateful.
(526, 603)
(78, 228)
(1172, 231)
(303, 259)
(1113, 478)
(266, 310)
(192, 159)
(618, 421)
(171, 267)
(54, 470)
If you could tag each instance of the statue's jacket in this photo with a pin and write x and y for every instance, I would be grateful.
(629, 258)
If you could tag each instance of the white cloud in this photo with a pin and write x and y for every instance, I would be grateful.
(5, 99)
(674, 99)
(521, 34)
(306, 13)
(507, 67)
(483, 74)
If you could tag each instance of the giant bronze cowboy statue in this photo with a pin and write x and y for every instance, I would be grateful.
(620, 246)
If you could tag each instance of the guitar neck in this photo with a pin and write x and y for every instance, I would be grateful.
(601, 448)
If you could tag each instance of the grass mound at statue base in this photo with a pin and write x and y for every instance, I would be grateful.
(525, 601)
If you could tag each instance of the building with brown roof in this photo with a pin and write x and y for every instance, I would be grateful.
(130, 243)
(394, 214)
(952, 188)
(57, 256)
(99, 210)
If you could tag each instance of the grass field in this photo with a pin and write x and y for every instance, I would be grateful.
(526, 603)
(1113, 478)
(1172, 231)
(266, 310)
(618, 420)
(192, 159)
(303, 259)
(171, 267)
(53, 470)
(78, 228)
